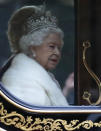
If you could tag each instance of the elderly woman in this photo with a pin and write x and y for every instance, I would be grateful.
(37, 41)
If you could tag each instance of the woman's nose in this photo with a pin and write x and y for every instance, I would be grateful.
(57, 51)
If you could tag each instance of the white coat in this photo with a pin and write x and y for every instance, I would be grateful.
(30, 82)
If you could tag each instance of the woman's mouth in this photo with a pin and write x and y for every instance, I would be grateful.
(55, 61)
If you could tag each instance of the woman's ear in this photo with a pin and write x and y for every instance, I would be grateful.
(32, 51)
(31, 48)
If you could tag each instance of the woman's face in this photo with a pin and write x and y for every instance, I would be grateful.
(48, 53)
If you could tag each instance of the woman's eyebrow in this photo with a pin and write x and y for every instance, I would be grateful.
(55, 43)
(52, 43)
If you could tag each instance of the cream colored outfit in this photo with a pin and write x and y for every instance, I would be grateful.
(30, 82)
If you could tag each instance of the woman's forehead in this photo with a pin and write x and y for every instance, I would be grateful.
(55, 38)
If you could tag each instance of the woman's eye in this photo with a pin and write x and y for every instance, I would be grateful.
(52, 46)
(59, 48)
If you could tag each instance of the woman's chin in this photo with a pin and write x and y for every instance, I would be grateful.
(52, 67)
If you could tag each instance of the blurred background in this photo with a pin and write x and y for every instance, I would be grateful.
(64, 11)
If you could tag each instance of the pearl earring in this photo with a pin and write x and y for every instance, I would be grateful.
(34, 54)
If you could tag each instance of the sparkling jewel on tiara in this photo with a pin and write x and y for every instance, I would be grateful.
(42, 22)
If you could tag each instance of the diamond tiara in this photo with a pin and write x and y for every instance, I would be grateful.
(41, 22)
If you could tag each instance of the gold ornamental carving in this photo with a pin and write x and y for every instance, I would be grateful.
(46, 124)
(87, 95)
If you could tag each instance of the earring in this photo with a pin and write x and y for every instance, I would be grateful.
(34, 54)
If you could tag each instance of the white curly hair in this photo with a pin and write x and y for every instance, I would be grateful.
(36, 38)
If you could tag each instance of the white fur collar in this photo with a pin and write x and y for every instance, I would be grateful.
(26, 71)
